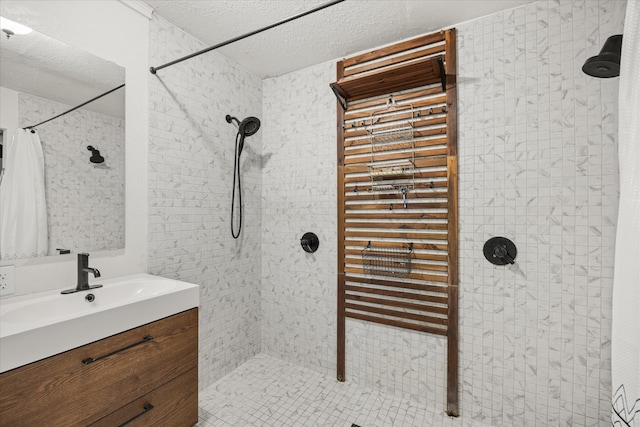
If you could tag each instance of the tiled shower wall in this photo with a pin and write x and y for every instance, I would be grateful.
(538, 164)
(537, 147)
(299, 195)
(85, 201)
(191, 156)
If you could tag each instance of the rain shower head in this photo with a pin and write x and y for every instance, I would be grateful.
(607, 63)
(95, 155)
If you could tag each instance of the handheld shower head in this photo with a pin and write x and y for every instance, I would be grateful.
(249, 126)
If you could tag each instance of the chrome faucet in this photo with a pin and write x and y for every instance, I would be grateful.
(83, 275)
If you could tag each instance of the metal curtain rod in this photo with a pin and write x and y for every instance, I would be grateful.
(244, 36)
(75, 108)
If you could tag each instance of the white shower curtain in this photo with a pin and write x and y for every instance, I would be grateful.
(625, 337)
(23, 209)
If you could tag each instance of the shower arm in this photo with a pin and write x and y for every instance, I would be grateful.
(230, 118)
(153, 70)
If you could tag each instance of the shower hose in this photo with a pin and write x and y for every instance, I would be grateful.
(236, 177)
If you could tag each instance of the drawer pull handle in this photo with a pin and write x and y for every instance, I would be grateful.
(146, 409)
(89, 360)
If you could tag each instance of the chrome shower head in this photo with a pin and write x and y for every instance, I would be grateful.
(607, 63)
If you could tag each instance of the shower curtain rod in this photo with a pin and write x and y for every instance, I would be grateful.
(244, 36)
(75, 108)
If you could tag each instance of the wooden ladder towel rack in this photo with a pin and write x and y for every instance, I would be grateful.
(397, 192)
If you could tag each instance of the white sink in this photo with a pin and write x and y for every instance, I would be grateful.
(36, 326)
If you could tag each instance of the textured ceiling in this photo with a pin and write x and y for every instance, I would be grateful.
(32, 63)
(338, 31)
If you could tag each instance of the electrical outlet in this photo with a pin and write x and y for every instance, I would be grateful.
(7, 280)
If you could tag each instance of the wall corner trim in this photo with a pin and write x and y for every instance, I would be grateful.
(139, 6)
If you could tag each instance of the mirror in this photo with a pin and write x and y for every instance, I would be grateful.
(40, 78)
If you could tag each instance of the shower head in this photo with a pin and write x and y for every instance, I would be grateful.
(95, 155)
(249, 126)
(607, 63)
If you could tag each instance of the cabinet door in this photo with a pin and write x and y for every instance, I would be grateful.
(173, 404)
(83, 385)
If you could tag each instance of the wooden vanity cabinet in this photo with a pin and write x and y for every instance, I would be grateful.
(140, 377)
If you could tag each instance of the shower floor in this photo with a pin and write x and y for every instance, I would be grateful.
(266, 391)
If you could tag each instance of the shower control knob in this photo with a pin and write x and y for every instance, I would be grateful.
(500, 251)
(310, 242)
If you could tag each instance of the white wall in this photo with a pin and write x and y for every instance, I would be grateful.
(113, 31)
(8, 112)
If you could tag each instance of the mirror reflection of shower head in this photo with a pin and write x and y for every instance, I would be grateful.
(95, 155)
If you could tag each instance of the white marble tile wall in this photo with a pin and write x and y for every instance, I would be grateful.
(537, 145)
(191, 151)
(538, 164)
(85, 201)
(299, 195)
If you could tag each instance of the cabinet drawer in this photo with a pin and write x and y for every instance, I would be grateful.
(85, 384)
(174, 404)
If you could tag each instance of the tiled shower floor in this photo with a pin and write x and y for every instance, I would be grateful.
(266, 391)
